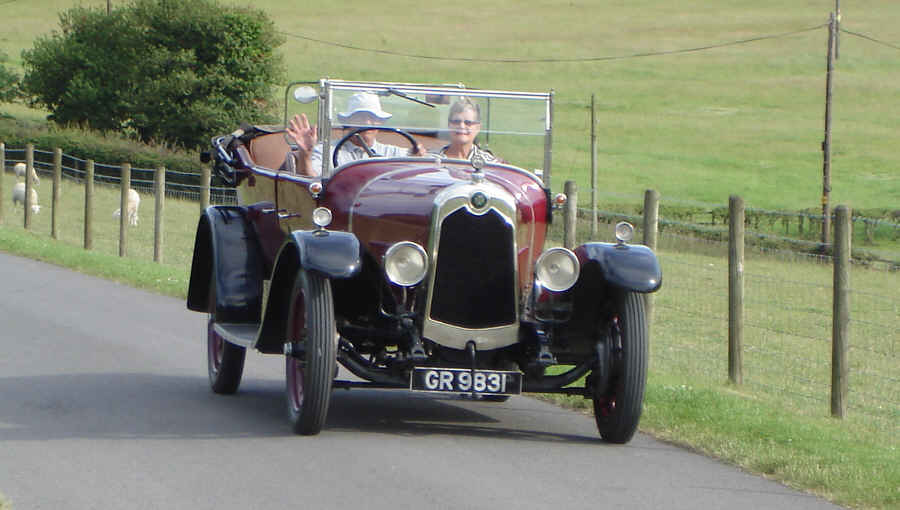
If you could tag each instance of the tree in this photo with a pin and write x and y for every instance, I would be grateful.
(164, 70)
(8, 81)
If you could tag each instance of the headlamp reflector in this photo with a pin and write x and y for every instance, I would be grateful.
(405, 263)
(557, 269)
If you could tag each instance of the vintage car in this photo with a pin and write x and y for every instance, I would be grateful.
(421, 272)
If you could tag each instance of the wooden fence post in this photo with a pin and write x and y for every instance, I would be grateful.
(29, 169)
(571, 214)
(2, 176)
(54, 200)
(840, 329)
(204, 187)
(123, 209)
(159, 190)
(651, 218)
(89, 205)
(735, 289)
(651, 228)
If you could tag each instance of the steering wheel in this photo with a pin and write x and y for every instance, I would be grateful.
(355, 132)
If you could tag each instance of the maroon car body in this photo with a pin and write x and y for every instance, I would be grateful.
(421, 272)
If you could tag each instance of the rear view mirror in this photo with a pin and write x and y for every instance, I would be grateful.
(305, 94)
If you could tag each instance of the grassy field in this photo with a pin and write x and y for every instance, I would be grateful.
(741, 119)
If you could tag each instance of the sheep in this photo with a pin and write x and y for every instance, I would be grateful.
(18, 195)
(134, 201)
(20, 172)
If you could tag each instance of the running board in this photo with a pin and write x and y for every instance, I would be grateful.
(242, 334)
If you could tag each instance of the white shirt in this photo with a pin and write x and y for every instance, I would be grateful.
(349, 152)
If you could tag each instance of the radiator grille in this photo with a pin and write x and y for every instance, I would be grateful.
(475, 281)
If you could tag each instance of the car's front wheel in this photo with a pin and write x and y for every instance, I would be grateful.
(224, 360)
(310, 366)
(617, 405)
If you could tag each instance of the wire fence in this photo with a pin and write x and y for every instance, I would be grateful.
(788, 329)
(170, 241)
(180, 185)
(788, 318)
(795, 231)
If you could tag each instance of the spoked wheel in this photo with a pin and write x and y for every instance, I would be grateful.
(225, 361)
(310, 369)
(617, 407)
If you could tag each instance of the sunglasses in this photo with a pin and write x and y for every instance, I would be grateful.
(460, 122)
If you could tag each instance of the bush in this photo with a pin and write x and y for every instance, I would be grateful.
(106, 148)
(8, 81)
(162, 70)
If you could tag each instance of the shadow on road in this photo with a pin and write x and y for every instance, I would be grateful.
(400, 412)
(143, 405)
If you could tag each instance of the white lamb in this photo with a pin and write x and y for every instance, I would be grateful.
(134, 201)
(18, 195)
(20, 172)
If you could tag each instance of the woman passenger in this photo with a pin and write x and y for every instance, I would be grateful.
(464, 124)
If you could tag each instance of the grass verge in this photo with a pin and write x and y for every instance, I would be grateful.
(833, 459)
(162, 279)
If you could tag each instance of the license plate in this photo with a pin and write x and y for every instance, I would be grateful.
(462, 380)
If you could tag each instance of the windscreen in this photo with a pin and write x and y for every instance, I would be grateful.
(512, 126)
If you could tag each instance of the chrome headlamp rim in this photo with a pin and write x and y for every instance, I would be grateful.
(548, 277)
(624, 232)
(321, 217)
(395, 251)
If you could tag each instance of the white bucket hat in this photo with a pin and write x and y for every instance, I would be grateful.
(364, 102)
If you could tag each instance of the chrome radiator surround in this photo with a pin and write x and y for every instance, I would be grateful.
(497, 212)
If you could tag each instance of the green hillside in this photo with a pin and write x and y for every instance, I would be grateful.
(745, 118)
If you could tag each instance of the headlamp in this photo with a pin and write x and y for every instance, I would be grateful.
(557, 269)
(405, 263)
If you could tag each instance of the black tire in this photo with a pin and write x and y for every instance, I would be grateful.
(224, 360)
(310, 326)
(617, 410)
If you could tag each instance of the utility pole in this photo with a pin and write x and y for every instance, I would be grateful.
(826, 145)
(593, 168)
(837, 29)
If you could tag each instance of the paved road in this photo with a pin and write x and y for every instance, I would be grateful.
(104, 404)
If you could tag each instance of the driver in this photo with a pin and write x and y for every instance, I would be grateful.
(363, 109)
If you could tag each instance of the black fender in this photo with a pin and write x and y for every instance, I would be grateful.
(330, 254)
(334, 255)
(227, 251)
(632, 267)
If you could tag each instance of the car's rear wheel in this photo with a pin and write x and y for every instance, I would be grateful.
(310, 367)
(225, 361)
(617, 405)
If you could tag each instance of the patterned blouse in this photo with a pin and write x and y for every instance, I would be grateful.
(486, 154)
